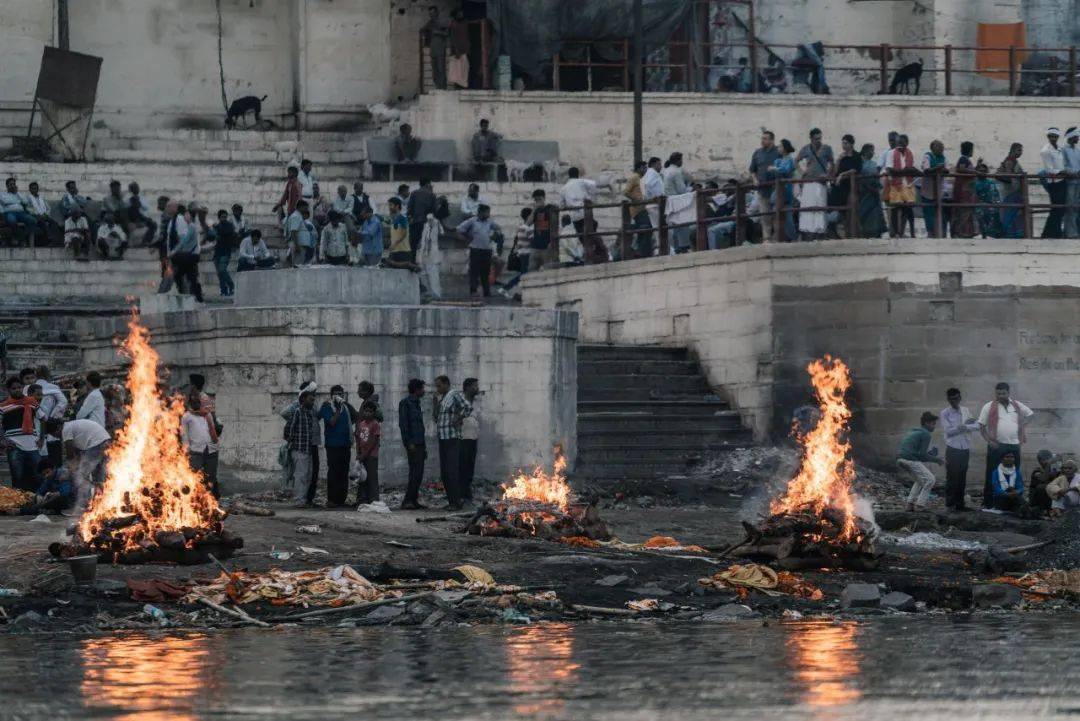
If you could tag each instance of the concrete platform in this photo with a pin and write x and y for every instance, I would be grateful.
(326, 285)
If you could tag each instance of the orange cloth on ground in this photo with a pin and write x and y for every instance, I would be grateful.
(995, 63)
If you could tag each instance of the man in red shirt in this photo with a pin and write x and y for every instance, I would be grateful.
(368, 437)
(291, 196)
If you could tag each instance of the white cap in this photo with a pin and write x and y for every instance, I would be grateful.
(1053, 131)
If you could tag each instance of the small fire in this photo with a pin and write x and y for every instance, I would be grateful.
(825, 476)
(149, 476)
(542, 487)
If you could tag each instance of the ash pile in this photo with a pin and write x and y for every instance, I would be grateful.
(526, 518)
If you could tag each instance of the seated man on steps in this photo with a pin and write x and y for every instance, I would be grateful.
(254, 254)
(111, 238)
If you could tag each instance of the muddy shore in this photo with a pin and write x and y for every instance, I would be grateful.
(934, 574)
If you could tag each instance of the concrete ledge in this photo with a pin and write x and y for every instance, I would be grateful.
(166, 303)
(326, 285)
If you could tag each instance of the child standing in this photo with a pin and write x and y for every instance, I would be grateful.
(368, 438)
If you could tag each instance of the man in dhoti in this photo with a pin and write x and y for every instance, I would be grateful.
(816, 160)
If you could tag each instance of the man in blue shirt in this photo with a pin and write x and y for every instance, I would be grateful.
(184, 252)
(481, 233)
(300, 234)
(14, 210)
(337, 438)
(414, 438)
(371, 237)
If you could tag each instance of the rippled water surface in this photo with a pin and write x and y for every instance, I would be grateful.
(886, 668)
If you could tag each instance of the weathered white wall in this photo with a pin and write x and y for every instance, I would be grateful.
(347, 47)
(256, 358)
(718, 133)
(26, 27)
(754, 316)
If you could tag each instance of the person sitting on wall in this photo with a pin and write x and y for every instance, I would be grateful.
(254, 254)
(1007, 484)
(407, 145)
(77, 234)
(485, 144)
(111, 238)
(1049, 469)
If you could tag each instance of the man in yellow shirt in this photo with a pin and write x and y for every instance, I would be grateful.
(639, 215)
(400, 250)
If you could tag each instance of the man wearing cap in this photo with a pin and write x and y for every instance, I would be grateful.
(313, 456)
(1071, 152)
(1054, 174)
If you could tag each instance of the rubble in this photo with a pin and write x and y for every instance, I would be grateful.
(860, 595)
(898, 601)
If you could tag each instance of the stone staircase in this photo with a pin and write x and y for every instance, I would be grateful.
(47, 335)
(647, 412)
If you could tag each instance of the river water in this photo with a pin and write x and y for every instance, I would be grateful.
(914, 667)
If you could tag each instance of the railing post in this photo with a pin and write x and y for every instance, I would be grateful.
(853, 208)
(948, 69)
(753, 64)
(1025, 198)
(939, 215)
(626, 65)
(554, 230)
(884, 68)
(778, 211)
(555, 71)
(1012, 70)
(661, 204)
(740, 213)
(421, 39)
(485, 49)
(623, 228)
(701, 207)
(1072, 71)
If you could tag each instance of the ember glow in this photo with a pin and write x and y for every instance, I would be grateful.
(542, 487)
(826, 473)
(149, 476)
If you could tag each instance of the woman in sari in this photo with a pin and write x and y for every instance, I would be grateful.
(784, 168)
(849, 163)
(988, 213)
(1012, 218)
(963, 218)
(871, 217)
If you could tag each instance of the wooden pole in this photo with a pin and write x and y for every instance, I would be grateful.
(1072, 71)
(853, 208)
(639, 51)
(740, 215)
(554, 229)
(884, 67)
(753, 51)
(623, 228)
(700, 207)
(1012, 70)
(662, 207)
(948, 69)
(778, 213)
(485, 50)
(939, 215)
(555, 71)
(1025, 197)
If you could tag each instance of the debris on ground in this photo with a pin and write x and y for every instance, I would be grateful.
(239, 506)
(12, 499)
(156, 590)
(755, 576)
(312, 529)
(330, 586)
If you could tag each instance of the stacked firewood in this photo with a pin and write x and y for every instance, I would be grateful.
(112, 543)
(805, 539)
(534, 519)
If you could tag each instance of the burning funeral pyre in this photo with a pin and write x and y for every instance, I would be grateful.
(539, 505)
(153, 507)
(814, 523)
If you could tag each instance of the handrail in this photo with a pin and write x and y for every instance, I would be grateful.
(741, 217)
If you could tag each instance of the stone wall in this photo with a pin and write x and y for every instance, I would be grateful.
(718, 132)
(256, 358)
(911, 318)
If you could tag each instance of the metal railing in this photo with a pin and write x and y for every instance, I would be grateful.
(1022, 225)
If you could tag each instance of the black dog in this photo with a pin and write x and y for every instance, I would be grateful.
(241, 107)
(912, 72)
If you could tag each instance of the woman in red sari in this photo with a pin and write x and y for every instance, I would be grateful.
(963, 218)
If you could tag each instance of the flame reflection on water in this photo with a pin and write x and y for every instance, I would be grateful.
(824, 657)
(144, 678)
(539, 667)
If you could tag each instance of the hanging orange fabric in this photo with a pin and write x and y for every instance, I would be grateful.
(995, 63)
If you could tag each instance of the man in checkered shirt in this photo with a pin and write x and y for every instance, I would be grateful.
(450, 408)
(300, 434)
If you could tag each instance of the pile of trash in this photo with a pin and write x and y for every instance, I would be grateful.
(1041, 585)
(331, 586)
(753, 576)
(12, 499)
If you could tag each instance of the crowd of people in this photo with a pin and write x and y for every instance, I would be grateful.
(1002, 424)
(351, 433)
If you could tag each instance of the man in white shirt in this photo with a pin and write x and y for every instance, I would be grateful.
(23, 435)
(471, 201)
(1002, 424)
(652, 186)
(957, 424)
(254, 253)
(93, 406)
(1054, 180)
(307, 180)
(576, 194)
(334, 241)
(77, 234)
(13, 209)
(85, 443)
(199, 436)
(38, 207)
(111, 238)
(53, 405)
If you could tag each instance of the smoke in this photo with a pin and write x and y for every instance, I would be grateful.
(864, 509)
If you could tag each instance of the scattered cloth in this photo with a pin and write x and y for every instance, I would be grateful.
(475, 574)
(155, 590)
(755, 576)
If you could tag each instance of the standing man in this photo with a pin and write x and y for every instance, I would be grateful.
(819, 164)
(480, 232)
(914, 454)
(337, 437)
(93, 406)
(541, 237)
(414, 438)
(184, 253)
(365, 391)
(470, 436)
(485, 144)
(198, 432)
(420, 203)
(761, 164)
(1002, 424)
(1054, 180)
(639, 213)
(300, 435)
(308, 183)
(957, 423)
(450, 409)
(576, 194)
(300, 235)
(436, 33)
(53, 405)
(23, 434)
(1071, 154)
(291, 195)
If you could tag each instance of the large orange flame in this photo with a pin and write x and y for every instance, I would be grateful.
(543, 487)
(826, 473)
(149, 475)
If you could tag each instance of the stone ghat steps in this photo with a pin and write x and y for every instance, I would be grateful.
(60, 358)
(231, 146)
(646, 412)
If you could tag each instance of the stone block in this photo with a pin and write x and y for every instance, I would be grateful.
(730, 612)
(995, 595)
(898, 601)
(860, 595)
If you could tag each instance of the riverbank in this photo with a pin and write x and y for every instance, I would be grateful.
(923, 558)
